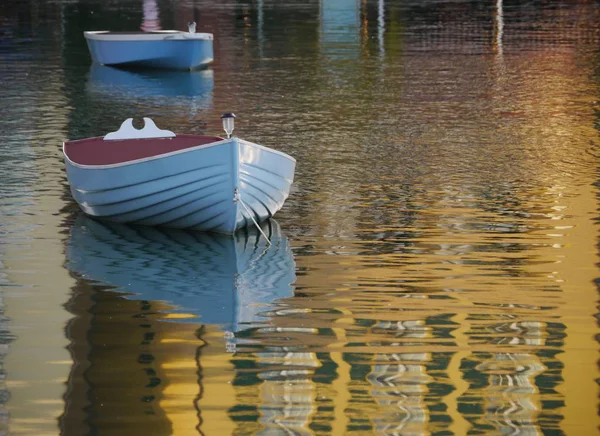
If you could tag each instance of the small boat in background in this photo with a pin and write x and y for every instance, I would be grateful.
(171, 49)
(157, 178)
(208, 278)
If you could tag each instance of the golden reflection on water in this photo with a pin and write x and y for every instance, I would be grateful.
(498, 321)
(440, 359)
(38, 365)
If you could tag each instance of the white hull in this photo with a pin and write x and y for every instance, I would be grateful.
(214, 187)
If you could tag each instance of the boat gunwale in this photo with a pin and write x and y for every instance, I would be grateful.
(163, 155)
(264, 147)
(159, 35)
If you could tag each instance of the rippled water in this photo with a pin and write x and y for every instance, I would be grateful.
(435, 266)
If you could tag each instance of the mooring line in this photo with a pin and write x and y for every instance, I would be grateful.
(239, 197)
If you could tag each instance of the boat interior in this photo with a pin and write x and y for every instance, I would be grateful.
(98, 151)
(139, 32)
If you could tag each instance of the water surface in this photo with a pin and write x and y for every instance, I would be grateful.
(436, 263)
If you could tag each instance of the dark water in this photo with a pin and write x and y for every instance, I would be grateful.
(435, 266)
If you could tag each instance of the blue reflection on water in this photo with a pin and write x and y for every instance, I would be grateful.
(117, 83)
(340, 28)
(225, 280)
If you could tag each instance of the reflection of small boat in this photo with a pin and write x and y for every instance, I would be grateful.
(154, 177)
(125, 84)
(227, 280)
(158, 49)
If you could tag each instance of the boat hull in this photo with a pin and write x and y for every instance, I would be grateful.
(221, 187)
(179, 54)
(264, 181)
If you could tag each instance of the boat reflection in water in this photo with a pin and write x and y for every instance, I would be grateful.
(208, 278)
(119, 83)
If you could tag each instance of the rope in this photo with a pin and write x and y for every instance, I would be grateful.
(253, 220)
